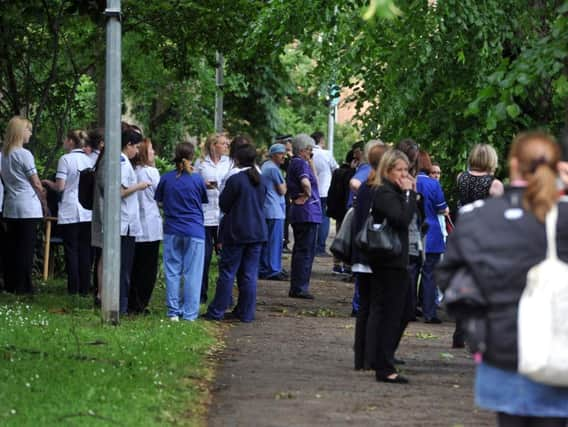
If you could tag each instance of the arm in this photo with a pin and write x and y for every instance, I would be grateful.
(58, 185)
(354, 184)
(397, 208)
(281, 188)
(36, 185)
(127, 191)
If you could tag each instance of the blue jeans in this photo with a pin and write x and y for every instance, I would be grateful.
(241, 261)
(302, 255)
(323, 229)
(183, 258)
(429, 285)
(271, 255)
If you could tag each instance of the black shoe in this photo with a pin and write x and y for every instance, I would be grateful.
(280, 277)
(418, 312)
(458, 344)
(301, 295)
(398, 361)
(433, 320)
(285, 250)
(399, 379)
(354, 313)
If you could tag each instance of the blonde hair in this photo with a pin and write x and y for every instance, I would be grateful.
(388, 162)
(78, 137)
(370, 144)
(483, 158)
(14, 136)
(537, 154)
(211, 140)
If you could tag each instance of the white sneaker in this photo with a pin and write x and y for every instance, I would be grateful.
(174, 319)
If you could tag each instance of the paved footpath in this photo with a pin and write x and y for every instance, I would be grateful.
(293, 366)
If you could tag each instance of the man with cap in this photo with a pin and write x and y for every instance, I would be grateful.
(270, 267)
(286, 140)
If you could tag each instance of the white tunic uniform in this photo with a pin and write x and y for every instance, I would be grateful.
(20, 199)
(150, 218)
(68, 168)
(129, 208)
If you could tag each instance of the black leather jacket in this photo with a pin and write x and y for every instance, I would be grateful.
(496, 242)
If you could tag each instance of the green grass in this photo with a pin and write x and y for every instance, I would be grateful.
(60, 366)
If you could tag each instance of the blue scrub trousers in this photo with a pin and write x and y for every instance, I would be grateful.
(271, 255)
(428, 284)
(183, 259)
(241, 261)
(302, 256)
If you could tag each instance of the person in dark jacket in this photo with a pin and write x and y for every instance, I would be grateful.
(366, 333)
(496, 242)
(242, 233)
(395, 201)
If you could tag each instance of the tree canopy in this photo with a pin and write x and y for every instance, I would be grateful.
(447, 73)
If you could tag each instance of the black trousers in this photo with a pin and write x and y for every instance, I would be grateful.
(506, 420)
(143, 277)
(366, 333)
(78, 256)
(388, 296)
(127, 244)
(211, 240)
(19, 250)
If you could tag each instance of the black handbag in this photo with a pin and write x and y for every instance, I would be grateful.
(378, 239)
(341, 246)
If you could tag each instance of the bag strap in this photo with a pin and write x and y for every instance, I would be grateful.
(551, 221)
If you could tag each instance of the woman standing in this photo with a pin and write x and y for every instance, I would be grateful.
(477, 183)
(366, 332)
(74, 220)
(495, 244)
(24, 206)
(146, 250)
(434, 203)
(243, 231)
(130, 226)
(182, 194)
(213, 168)
(395, 201)
(305, 215)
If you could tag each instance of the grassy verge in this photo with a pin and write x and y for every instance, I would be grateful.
(60, 366)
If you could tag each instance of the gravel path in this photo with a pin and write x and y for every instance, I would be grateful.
(293, 366)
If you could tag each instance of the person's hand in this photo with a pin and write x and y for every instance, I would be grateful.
(142, 185)
(406, 183)
(210, 185)
(301, 199)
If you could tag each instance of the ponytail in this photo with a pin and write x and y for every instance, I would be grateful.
(184, 166)
(253, 175)
(537, 155)
(541, 193)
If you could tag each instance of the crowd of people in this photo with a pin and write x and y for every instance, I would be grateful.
(230, 202)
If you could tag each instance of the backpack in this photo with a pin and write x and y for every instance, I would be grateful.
(543, 316)
(87, 187)
(339, 192)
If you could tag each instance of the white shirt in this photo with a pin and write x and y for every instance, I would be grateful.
(70, 210)
(20, 199)
(150, 218)
(324, 164)
(94, 155)
(129, 208)
(213, 172)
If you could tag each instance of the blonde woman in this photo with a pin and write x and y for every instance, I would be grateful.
(213, 168)
(479, 181)
(24, 205)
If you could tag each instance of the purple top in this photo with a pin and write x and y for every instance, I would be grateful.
(311, 210)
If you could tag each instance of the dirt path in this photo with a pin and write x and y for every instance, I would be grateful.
(293, 366)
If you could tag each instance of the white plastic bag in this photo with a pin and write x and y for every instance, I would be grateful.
(543, 316)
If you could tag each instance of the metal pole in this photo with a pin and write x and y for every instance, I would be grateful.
(111, 213)
(219, 92)
(330, 128)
